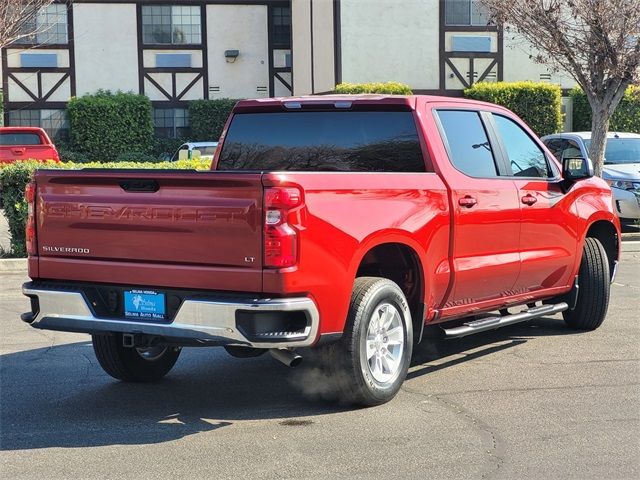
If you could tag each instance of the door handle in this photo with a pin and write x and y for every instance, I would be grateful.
(529, 199)
(467, 201)
(18, 151)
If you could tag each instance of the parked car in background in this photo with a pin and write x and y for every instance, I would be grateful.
(189, 150)
(26, 143)
(621, 165)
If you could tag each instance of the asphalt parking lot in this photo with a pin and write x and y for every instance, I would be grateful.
(530, 401)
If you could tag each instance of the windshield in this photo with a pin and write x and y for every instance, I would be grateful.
(620, 150)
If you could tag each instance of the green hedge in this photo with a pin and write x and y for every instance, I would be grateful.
(14, 177)
(208, 118)
(538, 104)
(626, 118)
(165, 147)
(106, 124)
(392, 88)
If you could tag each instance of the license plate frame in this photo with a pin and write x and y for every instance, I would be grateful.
(144, 304)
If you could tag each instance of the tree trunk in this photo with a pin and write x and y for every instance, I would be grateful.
(599, 128)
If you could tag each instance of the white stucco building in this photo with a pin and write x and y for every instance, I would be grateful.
(175, 51)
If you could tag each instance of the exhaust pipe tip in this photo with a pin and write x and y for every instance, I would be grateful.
(286, 357)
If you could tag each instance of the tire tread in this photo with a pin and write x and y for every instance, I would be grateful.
(593, 293)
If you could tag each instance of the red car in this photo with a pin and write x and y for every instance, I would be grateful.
(342, 223)
(26, 143)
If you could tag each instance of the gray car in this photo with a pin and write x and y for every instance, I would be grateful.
(621, 165)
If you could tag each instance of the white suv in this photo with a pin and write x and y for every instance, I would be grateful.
(621, 165)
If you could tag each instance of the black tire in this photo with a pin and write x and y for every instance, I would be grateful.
(128, 364)
(593, 292)
(346, 363)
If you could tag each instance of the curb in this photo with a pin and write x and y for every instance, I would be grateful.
(631, 246)
(630, 237)
(9, 265)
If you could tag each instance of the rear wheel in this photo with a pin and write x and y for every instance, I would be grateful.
(133, 364)
(593, 292)
(370, 362)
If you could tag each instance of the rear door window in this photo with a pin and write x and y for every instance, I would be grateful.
(556, 146)
(10, 138)
(348, 141)
(571, 150)
(468, 143)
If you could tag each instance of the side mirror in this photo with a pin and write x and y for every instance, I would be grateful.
(576, 168)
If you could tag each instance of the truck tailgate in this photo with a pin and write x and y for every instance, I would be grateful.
(144, 219)
(11, 153)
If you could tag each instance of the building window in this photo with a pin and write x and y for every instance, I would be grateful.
(54, 122)
(173, 60)
(281, 27)
(171, 122)
(44, 60)
(171, 25)
(48, 26)
(466, 13)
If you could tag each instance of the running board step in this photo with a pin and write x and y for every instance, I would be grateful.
(492, 323)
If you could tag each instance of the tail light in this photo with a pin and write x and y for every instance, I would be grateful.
(30, 229)
(280, 237)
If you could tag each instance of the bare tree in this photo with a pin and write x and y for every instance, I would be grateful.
(18, 19)
(597, 42)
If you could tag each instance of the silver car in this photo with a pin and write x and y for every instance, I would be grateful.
(621, 165)
(189, 150)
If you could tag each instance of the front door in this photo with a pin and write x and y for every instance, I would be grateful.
(486, 233)
(548, 229)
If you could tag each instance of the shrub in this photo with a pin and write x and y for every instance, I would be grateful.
(538, 104)
(68, 155)
(164, 147)
(392, 88)
(136, 157)
(105, 125)
(15, 176)
(626, 118)
(208, 118)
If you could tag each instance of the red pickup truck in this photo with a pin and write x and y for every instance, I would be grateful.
(26, 143)
(342, 223)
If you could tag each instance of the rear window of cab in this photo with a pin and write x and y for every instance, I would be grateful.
(20, 138)
(347, 141)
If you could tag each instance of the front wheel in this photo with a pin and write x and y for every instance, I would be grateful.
(133, 364)
(593, 291)
(371, 360)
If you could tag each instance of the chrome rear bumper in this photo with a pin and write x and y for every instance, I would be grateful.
(208, 320)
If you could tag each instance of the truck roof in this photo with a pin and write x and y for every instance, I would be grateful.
(345, 101)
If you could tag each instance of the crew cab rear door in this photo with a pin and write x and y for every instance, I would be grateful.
(486, 220)
(547, 232)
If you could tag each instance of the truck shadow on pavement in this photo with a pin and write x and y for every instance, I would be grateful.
(60, 397)
(480, 345)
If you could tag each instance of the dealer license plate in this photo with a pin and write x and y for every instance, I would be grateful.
(144, 304)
